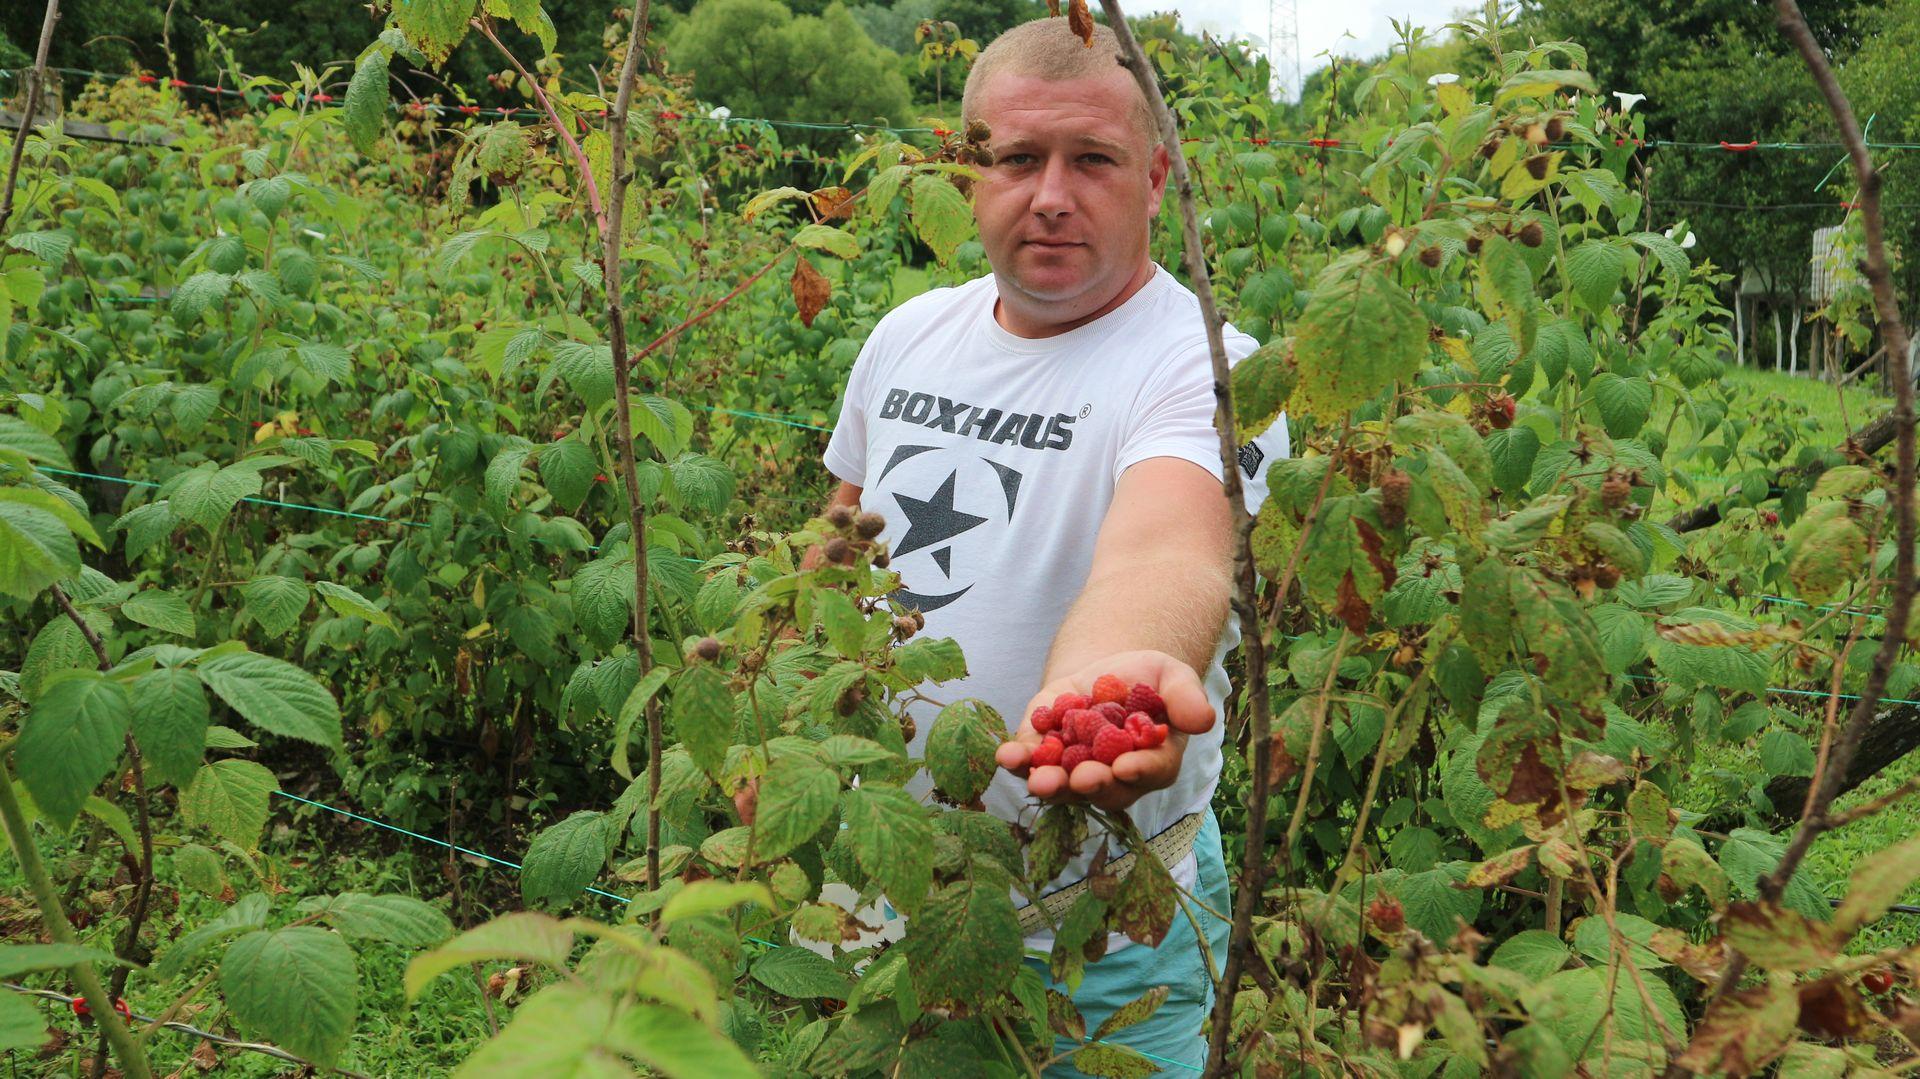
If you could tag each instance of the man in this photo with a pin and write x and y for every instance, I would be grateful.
(1041, 443)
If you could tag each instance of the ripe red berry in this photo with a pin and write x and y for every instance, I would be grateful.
(1109, 687)
(1080, 725)
(1073, 756)
(1877, 981)
(1142, 698)
(1112, 711)
(1067, 702)
(1151, 736)
(1045, 719)
(1047, 752)
(1110, 743)
(1386, 914)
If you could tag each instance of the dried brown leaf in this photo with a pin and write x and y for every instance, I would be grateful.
(811, 290)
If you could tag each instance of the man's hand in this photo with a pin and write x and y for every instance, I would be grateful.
(1133, 773)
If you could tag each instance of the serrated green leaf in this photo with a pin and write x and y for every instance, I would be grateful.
(397, 919)
(525, 935)
(231, 799)
(275, 696)
(801, 974)
(1360, 334)
(796, 798)
(348, 602)
(162, 610)
(170, 719)
(701, 713)
(275, 603)
(941, 215)
(73, 735)
(892, 840)
(296, 986)
(963, 944)
(566, 857)
(961, 746)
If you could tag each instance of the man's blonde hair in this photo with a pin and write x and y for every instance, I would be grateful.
(1048, 49)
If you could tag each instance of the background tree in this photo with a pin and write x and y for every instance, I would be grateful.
(761, 60)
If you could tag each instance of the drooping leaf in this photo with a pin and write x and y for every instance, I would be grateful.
(964, 942)
(397, 919)
(892, 839)
(960, 749)
(296, 986)
(231, 799)
(170, 723)
(275, 696)
(72, 737)
(1360, 334)
(796, 798)
(525, 935)
(564, 858)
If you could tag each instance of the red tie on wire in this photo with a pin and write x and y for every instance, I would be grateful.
(1736, 146)
(1323, 143)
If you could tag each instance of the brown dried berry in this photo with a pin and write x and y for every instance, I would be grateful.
(1430, 256)
(1387, 915)
(1615, 491)
(1395, 486)
(1556, 129)
(869, 525)
(1606, 575)
(1499, 411)
(839, 551)
(1532, 234)
(905, 627)
(840, 516)
(707, 648)
(1473, 245)
(978, 131)
(1537, 166)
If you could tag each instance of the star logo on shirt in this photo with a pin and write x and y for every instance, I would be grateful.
(934, 521)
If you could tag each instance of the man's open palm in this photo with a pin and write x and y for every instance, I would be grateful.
(1133, 773)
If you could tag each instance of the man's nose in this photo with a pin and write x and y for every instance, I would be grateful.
(1053, 195)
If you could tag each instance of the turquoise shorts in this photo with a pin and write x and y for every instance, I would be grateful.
(1173, 1036)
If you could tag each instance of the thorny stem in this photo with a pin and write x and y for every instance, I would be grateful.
(143, 890)
(35, 80)
(133, 1062)
(1814, 821)
(611, 230)
(1246, 597)
(560, 131)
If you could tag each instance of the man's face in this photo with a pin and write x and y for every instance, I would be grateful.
(1065, 208)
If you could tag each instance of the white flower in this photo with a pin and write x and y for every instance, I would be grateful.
(314, 234)
(1687, 241)
(858, 137)
(720, 112)
(1442, 78)
(1628, 101)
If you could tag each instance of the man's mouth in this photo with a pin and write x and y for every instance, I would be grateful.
(1054, 244)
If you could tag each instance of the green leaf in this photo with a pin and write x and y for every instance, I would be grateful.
(1726, 667)
(941, 215)
(1825, 552)
(587, 369)
(51, 245)
(1596, 942)
(22, 1026)
(1535, 953)
(145, 526)
(249, 913)
(565, 858)
(207, 494)
(963, 944)
(37, 547)
(170, 723)
(434, 26)
(1876, 883)
(275, 696)
(275, 603)
(707, 896)
(796, 799)
(192, 296)
(1145, 905)
(892, 840)
(19, 436)
(1432, 904)
(364, 112)
(524, 935)
(801, 974)
(1673, 260)
(630, 712)
(74, 734)
(1263, 380)
(833, 241)
(846, 627)
(296, 986)
(397, 919)
(200, 869)
(602, 594)
(1137, 1010)
(1578, 1007)
(503, 474)
(1595, 268)
(1360, 334)
(348, 602)
(567, 467)
(702, 713)
(18, 959)
(1111, 1060)
(701, 482)
(231, 799)
(664, 422)
(162, 610)
(960, 749)
(1623, 403)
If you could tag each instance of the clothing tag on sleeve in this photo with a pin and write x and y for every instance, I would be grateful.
(1250, 457)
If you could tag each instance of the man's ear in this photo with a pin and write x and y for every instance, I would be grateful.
(1158, 166)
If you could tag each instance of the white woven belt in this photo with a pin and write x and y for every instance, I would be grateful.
(1170, 846)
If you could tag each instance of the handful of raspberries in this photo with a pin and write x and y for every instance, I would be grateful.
(1114, 720)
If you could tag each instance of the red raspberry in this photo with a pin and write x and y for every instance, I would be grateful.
(1081, 725)
(1142, 698)
(1136, 722)
(1067, 702)
(1045, 720)
(1047, 752)
(1073, 756)
(1386, 913)
(1112, 711)
(1152, 735)
(1110, 743)
(1109, 687)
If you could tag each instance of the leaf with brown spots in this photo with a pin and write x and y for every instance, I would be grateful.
(1702, 961)
(1830, 1008)
(1144, 908)
(1501, 867)
(1080, 21)
(831, 202)
(1743, 1031)
(1779, 939)
(811, 290)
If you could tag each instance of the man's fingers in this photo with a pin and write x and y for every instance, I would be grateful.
(1013, 756)
(1090, 778)
(1188, 709)
(1151, 769)
(1047, 782)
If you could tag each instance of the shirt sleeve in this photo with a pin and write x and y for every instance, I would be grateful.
(846, 455)
(1174, 417)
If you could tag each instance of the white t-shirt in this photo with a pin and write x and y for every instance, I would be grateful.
(993, 458)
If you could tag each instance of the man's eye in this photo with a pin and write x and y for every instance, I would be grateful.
(1096, 159)
(1014, 159)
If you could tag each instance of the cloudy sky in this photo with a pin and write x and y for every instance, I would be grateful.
(1344, 27)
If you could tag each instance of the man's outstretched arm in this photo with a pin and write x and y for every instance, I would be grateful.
(1152, 610)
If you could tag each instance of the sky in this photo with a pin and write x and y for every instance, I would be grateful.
(1324, 24)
